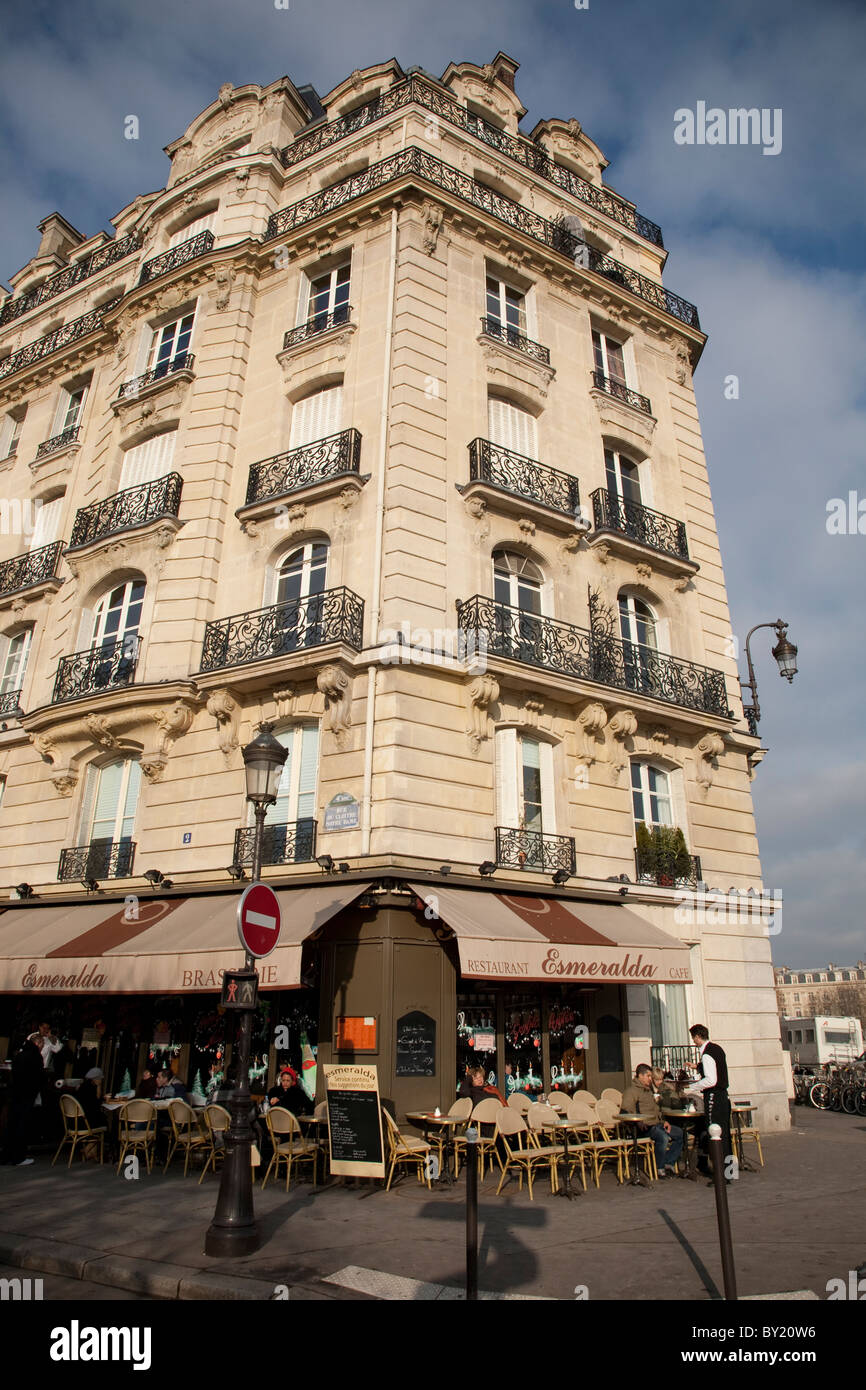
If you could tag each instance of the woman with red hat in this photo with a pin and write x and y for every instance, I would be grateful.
(289, 1094)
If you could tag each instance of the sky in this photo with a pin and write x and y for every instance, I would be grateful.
(769, 247)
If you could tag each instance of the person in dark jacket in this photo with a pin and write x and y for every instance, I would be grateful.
(146, 1088)
(289, 1094)
(712, 1087)
(27, 1077)
(89, 1098)
(476, 1086)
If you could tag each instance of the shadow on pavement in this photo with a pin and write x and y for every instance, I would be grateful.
(709, 1282)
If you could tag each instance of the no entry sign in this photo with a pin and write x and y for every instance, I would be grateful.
(259, 919)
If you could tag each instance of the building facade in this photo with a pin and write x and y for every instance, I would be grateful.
(829, 989)
(376, 423)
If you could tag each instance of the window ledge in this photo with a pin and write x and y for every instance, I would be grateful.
(634, 425)
(607, 542)
(502, 501)
(346, 486)
(316, 353)
(124, 405)
(56, 462)
(512, 363)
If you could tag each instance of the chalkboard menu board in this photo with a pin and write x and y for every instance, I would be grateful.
(354, 1121)
(416, 1045)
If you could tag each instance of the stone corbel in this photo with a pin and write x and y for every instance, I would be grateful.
(707, 751)
(477, 508)
(433, 217)
(225, 709)
(483, 691)
(592, 721)
(622, 726)
(532, 709)
(224, 278)
(65, 781)
(336, 686)
(284, 702)
(172, 723)
(570, 546)
(101, 732)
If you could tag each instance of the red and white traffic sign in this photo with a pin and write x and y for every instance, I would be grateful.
(259, 919)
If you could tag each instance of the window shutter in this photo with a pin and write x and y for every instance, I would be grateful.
(87, 800)
(60, 412)
(17, 652)
(47, 524)
(512, 427)
(317, 416)
(548, 800)
(131, 800)
(147, 461)
(107, 802)
(507, 812)
(278, 814)
(308, 772)
(201, 224)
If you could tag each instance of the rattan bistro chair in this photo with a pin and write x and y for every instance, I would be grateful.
(185, 1133)
(521, 1154)
(217, 1120)
(405, 1150)
(612, 1094)
(77, 1130)
(519, 1101)
(136, 1128)
(289, 1145)
(483, 1117)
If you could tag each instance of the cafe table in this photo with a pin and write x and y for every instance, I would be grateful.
(739, 1108)
(446, 1124)
(684, 1118)
(562, 1126)
(628, 1118)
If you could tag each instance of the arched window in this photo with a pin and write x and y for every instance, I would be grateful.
(623, 478)
(108, 818)
(301, 580)
(116, 623)
(14, 652)
(517, 589)
(637, 623)
(651, 795)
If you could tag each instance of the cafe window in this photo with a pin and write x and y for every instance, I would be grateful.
(477, 1035)
(668, 1016)
(566, 1042)
(522, 1036)
(525, 1042)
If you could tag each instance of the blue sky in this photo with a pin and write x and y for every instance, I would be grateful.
(769, 248)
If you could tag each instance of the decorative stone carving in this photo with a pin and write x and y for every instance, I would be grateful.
(297, 516)
(483, 692)
(602, 553)
(683, 583)
(239, 192)
(348, 497)
(592, 721)
(570, 546)
(153, 767)
(284, 701)
(44, 745)
(622, 726)
(225, 95)
(433, 217)
(707, 751)
(531, 711)
(192, 197)
(65, 783)
(250, 528)
(477, 508)
(644, 571)
(335, 684)
(226, 711)
(682, 371)
(18, 605)
(526, 526)
(101, 731)
(224, 277)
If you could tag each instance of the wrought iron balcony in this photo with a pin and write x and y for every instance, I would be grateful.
(621, 392)
(96, 670)
(495, 328)
(292, 843)
(665, 875)
(58, 441)
(614, 513)
(414, 161)
(527, 849)
(526, 152)
(567, 650)
(336, 615)
(523, 477)
(34, 567)
(100, 859)
(52, 342)
(135, 506)
(10, 704)
(182, 363)
(72, 275)
(175, 256)
(299, 468)
(318, 323)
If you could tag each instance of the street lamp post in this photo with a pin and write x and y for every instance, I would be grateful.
(233, 1231)
(786, 656)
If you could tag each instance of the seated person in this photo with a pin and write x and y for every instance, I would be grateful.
(640, 1099)
(89, 1096)
(169, 1086)
(146, 1088)
(670, 1097)
(289, 1094)
(475, 1085)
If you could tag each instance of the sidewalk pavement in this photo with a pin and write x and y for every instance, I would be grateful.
(796, 1223)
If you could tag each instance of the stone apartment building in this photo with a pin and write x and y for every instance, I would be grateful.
(837, 990)
(376, 423)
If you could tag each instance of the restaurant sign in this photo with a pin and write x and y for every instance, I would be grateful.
(528, 960)
(354, 1121)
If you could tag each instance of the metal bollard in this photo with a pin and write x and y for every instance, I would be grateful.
(722, 1216)
(472, 1213)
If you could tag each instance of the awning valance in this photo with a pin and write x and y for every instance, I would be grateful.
(502, 936)
(154, 946)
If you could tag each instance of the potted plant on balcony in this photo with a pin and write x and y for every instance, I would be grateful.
(662, 854)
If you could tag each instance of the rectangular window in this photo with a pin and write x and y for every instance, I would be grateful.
(17, 650)
(147, 461)
(46, 528)
(609, 359)
(512, 427)
(10, 433)
(170, 343)
(524, 784)
(328, 294)
(506, 306)
(668, 1022)
(109, 804)
(69, 409)
(192, 229)
(317, 417)
(810, 1035)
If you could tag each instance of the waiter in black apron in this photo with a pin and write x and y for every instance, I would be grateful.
(713, 1087)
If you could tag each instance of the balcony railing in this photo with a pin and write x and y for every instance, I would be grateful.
(72, 275)
(34, 567)
(675, 1057)
(10, 703)
(318, 323)
(621, 392)
(666, 876)
(293, 843)
(614, 513)
(526, 152)
(58, 441)
(572, 651)
(336, 615)
(96, 670)
(554, 235)
(313, 463)
(135, 506)
(495, 328)
(182, 363)
(175, 256)
(52, 342)
(100, 859)
(523, 477)
(528, 849)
